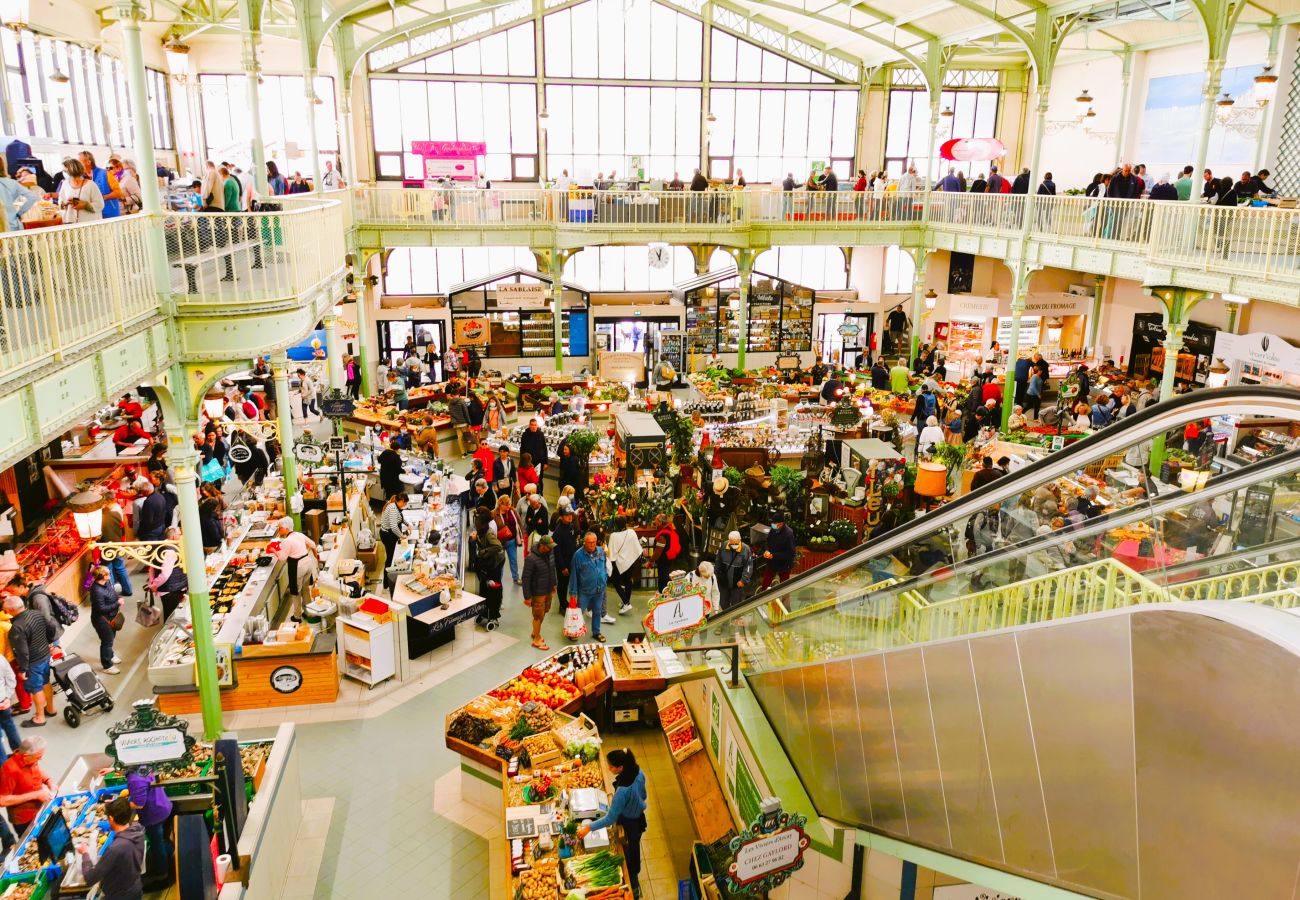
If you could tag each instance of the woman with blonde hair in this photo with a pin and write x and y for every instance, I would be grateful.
(80, 199)
(507, 526)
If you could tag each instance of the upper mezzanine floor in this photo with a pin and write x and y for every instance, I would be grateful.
(1254, 252)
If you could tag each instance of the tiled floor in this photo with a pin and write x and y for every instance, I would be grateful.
(378, 757)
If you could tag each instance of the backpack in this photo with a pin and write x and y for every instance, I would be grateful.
(929, 406)
(674, 548)
(65, 612)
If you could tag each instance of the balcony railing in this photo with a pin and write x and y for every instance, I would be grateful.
(241, 258)
(1229, 240)
(71, 285)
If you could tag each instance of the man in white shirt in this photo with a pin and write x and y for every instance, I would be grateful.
(331, 179)
(300, 553)
(564, 182)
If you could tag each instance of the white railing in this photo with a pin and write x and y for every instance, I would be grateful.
(454, 207)
(292, 202)
(1093, 221)
(225, 258)
(69, 285)
(996, 213)
(1233, 240)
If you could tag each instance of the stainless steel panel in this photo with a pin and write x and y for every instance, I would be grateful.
(963, 762)
(846, 743)
(1218, 728)
(821, 745)
(918, 760)
(878, 746)
(1078, 681)
(1022, 814)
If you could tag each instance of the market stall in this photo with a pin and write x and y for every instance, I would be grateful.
(779, 316)
(502, 321)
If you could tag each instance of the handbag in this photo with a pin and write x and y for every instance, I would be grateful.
(146, 614)
(574, 625)
(118, 622)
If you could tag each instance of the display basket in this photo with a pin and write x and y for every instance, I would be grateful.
(577, 731)
(684, 740)
(668, 697)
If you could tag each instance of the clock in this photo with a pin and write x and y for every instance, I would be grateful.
(659, 256)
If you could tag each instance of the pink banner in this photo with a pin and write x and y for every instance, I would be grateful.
(448, 149)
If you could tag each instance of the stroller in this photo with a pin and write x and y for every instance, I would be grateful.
(81, 688)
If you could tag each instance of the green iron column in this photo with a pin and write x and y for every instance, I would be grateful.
(284, 414)
(557, 306)
(360, 268)
(250, 23)
(185, 462)
(1019, 287)
(333, 355)
(313, 141)
(745, 268)
(922, 259)
(1178, 303)
(130, 12)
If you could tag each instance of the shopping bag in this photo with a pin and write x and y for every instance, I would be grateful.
(146, 613)
(574, 625)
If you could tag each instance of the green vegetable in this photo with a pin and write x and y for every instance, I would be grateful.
(520, 730)
(603, 869)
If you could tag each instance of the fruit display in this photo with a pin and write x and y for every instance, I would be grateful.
(20, 891)
(677, 740)
(586, 777)
(539, 718)
(672, 714)
(540, 789)
(548, 688)
(583, 660)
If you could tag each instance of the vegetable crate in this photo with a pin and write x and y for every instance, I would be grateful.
(684, 741)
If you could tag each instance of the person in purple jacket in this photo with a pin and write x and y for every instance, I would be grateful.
(154, 808)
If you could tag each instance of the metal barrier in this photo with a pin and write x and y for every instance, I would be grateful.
(1242, 585)
(1229, 239)
(224, 258)
(71, 285)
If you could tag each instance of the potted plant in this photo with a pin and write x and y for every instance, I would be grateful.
(950, 456)
(582, 441)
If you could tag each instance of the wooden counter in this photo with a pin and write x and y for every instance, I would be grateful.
(291, 679)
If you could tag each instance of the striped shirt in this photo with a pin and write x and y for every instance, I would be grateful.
(390, 519)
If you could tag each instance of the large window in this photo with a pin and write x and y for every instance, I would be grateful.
(507, 52)
(819, 268)
(628, 269)
(501, 115)
(600, 128)
(900, 271)
(974, 114)
(735, 60)
(616, 39)
(283, 101)
(87, 105)
(771, 132)
(436, 270)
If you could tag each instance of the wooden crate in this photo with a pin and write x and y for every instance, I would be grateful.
(691, 747)
(668, 696)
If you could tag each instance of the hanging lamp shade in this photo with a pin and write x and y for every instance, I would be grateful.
(86, 507)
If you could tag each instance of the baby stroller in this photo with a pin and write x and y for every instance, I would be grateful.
(81, 688)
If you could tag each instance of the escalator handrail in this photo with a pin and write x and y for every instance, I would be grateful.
(1145, 424)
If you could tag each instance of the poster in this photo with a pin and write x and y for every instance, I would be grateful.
(622, 366)
(472, 331)
(715, 720)
(745, 793)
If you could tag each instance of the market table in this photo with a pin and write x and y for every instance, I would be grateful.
(1126, 552)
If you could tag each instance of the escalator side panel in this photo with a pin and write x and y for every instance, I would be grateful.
(846, 740)
(882, 775)
(820, 720)
(1078, 682)
(963, 759)
(1021, 808)
(918, 758)
(1242, 756)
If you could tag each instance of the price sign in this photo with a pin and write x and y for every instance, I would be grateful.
(309, 451)
(337, 407)
(240, 453)
(788, 363)
(139, 748)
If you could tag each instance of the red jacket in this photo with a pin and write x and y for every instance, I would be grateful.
(991, 391)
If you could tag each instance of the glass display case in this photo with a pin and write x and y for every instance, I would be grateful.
(779, 319)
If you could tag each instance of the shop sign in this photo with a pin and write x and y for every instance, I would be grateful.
(240, 453)
(140, 748)
(788, 363)
(337, 407)
(286, 679)
(678, 614)
(457, 149)
(309, 452)
(520, 296)
(621, 366)
(1057, 305)
(767, 853)
(1257, 349)
(965, 306)
(472, 330)
(849, 329)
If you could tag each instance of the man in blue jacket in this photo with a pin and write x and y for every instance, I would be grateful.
(1023, 365)
(780, 551)
(588, 578)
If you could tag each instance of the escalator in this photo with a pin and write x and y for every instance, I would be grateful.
(1117, 724)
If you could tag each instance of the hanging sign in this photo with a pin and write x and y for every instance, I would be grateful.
(678, 610)
(788, 363)
(767, 853)
(309, 452)
(151, 738)
(336, 405)
(472, 330)
(520, 296)
(849, 329)
(1257, 349)
(240, 453)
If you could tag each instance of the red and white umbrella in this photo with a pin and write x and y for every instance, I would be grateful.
(972, 149)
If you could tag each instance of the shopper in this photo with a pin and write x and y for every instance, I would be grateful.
(626, 809)
(734, 566)
(16, 199)
(533, 442)
(533, 513)
(539, 580)
(667, 548)
(120, 863)
(931, 436)
(625, 560)
(105, 608)
(390, 470)
(210, 528)
(570, 469)
(392, 526)
(8, 688)
(489, 560)
(704, 579)
(107, 184)
(507, 527)
(779, 552)
(274, 180)
(169, 580)
(154, 807)
(31, 634)
(588, 580)
(879, 376)
(986, 474)
(900, 378)
(566, 546)
(1034, 392)
(504, 473)
(152, 519)
(24, 786)
(527, 474)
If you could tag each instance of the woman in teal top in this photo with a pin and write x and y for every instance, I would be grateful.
(627, 808)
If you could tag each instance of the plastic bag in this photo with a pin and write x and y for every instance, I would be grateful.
(575, 626)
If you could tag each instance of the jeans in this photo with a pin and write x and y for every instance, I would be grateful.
(633, 829)
(511, 547)
(10, 729)
(623, 582)
(157, 844)
(594, 604)
(118, 569)
(106, 635)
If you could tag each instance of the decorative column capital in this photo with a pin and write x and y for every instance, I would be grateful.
(129, 12)
(184, 464)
